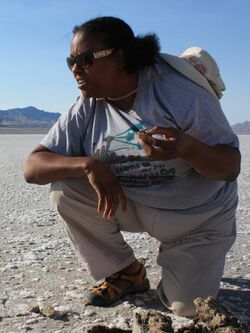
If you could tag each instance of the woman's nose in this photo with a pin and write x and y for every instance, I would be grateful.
(76, 69)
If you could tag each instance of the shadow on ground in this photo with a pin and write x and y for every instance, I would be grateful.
(235, 300)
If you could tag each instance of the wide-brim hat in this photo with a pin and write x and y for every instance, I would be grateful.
(198, 65)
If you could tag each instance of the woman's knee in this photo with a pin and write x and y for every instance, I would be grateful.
(56, 192)
(72, 191)
(59, 189)
(183, 309)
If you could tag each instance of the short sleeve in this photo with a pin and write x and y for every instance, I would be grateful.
(205, 121)
(66, 136)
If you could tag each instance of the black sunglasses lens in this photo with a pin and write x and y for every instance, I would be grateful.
(84, 59)
(70, 62)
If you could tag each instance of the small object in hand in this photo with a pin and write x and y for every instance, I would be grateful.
(163, 137)
(159, 136)
(171, 138)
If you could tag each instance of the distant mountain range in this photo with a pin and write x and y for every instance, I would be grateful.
(31, 117)
(242, 128)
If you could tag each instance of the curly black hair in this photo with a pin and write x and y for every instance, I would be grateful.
(139, 51)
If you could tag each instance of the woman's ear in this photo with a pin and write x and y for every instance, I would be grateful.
(120, 59)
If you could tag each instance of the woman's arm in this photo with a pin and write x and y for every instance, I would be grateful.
(43, 167)
(218, 162)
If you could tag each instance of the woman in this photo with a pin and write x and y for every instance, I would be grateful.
(142, 149)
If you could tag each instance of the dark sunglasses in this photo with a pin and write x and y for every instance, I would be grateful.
(85, 59)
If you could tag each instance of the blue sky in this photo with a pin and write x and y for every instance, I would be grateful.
(35, 39)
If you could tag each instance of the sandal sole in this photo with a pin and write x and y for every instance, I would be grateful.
(101, 301)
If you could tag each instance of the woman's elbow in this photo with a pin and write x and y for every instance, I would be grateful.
(32, 177)
(30, 171)
(34, 169)
(29, 179)
(28, 174)
(235, 167)
(232, 175)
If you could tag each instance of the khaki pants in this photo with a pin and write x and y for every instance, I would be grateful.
(192, 251)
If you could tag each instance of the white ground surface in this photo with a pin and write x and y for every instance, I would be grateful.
(38, 266)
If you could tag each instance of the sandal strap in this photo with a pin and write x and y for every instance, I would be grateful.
(108, 287)
(113, 290)
(137, 278)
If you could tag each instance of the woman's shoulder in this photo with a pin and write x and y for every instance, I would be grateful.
(81, 107)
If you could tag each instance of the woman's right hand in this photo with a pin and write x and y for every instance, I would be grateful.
(43, 167)
(107, 187)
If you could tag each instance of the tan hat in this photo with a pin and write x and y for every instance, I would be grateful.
(207, 66)
(198, 66)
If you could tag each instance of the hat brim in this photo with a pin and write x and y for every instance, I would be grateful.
(186, 69)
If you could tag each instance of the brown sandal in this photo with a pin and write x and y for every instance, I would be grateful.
(107, 293)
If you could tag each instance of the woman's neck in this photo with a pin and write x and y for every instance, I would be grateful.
(125, 104)
(125, 95)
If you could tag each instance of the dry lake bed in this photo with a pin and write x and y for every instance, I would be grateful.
(38, 265)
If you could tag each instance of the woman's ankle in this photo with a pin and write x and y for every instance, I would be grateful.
(132, 268)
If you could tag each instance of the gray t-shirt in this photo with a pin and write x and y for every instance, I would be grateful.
(166, 98)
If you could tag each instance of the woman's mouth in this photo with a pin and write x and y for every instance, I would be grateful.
(81, 82)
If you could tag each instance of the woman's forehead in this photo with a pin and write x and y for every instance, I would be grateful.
(83, 42)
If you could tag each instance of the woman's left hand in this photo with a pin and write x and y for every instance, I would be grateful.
(217, 162)
(163, 143)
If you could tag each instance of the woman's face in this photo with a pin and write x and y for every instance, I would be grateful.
(100, 78)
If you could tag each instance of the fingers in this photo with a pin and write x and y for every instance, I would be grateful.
(158, 149)
(109, 208)
(167, 132)
(101, 200)
(146, 144)
(154, 153)
(108, 190)
(110, 200)
(146, 140)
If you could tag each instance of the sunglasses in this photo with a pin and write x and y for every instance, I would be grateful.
(85, 59)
